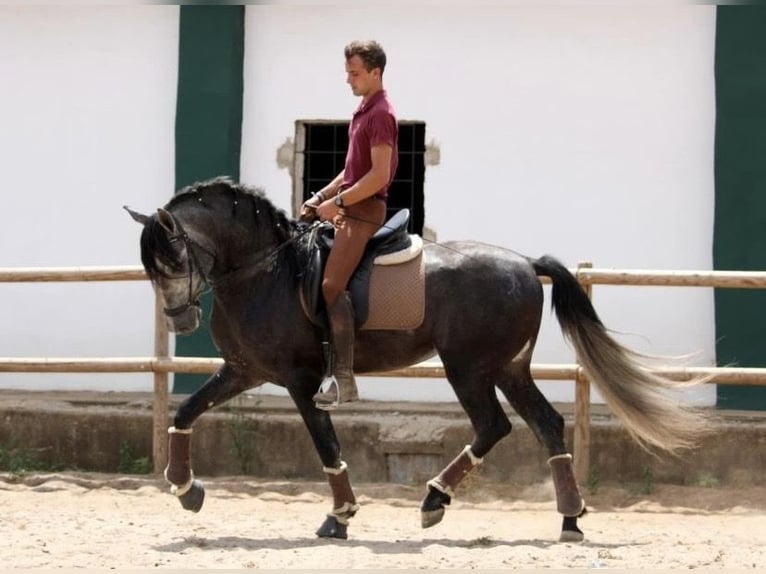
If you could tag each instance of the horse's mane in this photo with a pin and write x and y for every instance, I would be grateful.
(155, 244)
(223, 185)
(220, 184)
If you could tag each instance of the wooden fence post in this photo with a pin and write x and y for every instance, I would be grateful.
(582, 403)
(160, 406)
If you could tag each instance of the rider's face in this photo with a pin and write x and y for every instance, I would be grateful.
(362, 82)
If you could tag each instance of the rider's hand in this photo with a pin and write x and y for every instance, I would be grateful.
(309, 209)
(328, 211)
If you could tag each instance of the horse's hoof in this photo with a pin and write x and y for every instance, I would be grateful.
(194, 497)
(433, 507)
(331, 528)
(569, 530)
(430, 518)
(572, 536)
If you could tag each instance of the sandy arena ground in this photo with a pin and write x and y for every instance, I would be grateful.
(75, 520)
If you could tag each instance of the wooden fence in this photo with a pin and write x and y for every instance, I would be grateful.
(161, 363)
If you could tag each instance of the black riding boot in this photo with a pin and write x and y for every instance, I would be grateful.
(341, 387)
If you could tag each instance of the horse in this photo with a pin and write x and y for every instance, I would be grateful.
(483, 307)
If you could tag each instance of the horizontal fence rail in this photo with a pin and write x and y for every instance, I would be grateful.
(204, 366)
(721, 279)
(593, 276)
(161, 364)
(59, 274)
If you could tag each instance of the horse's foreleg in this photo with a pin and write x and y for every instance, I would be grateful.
(344, 503)
(179, 474)
(222, 386)
(320, 428)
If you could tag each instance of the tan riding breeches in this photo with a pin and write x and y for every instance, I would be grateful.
(354, 227)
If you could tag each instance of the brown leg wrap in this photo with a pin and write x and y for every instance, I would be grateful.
(455, 472)
(343, 499)
(568, 499)
(341, 489)
(178, 471)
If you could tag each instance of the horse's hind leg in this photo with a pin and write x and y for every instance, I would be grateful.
(548, 426)
(476, 394)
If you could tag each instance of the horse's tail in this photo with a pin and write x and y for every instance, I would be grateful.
(640, 398)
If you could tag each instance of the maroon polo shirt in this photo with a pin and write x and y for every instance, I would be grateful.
(373, 123)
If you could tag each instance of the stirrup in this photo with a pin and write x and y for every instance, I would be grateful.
(328, 398)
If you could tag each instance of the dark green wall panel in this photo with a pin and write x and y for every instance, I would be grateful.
(208, 124)
(740, 190)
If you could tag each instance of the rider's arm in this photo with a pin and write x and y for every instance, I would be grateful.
(308, 209)
(332, 188)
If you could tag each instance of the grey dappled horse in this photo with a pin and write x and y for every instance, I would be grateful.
(483, 311)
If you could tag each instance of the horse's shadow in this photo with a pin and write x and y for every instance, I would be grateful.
(376, 546)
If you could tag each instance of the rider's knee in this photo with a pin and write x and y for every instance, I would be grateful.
(331, 290)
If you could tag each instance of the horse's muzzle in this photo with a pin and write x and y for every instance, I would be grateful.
(176, 311)
(184, 320)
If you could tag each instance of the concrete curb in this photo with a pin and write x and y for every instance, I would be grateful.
(405, 443)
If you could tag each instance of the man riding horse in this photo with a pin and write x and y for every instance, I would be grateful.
(355, 201)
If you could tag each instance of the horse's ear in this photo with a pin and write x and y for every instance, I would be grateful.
(166, 220)
(139, 217)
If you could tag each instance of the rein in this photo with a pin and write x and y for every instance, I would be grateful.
(259, 260)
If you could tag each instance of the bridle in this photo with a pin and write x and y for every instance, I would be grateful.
(192, 261)
(259, 259)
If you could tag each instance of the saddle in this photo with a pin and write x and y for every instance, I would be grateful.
(388, 287)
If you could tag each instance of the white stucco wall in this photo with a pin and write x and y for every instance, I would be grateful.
(585, 132)
(87, 112)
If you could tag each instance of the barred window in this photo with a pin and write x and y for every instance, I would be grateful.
(320, 154)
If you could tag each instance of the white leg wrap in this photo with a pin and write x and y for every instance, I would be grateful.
(475, 460)
(336, 471)
(345, 512)
(174, 430)
(559, 456)
(442, 487)
(183, 489)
